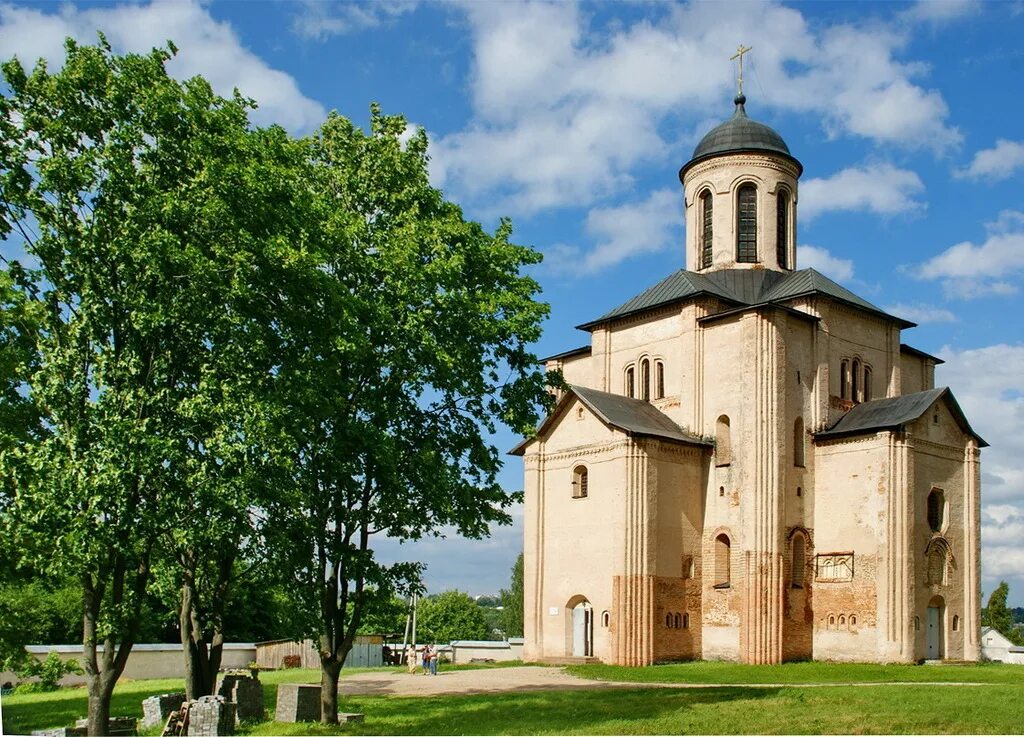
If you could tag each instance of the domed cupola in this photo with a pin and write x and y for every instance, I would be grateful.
(740, 190)
(739, 133)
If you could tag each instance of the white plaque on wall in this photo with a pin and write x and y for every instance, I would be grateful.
(553, 610)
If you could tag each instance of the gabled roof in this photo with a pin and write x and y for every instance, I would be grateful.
(904, 348)
(632, 416)
(749, 287)
(896, 412)
(581, 351)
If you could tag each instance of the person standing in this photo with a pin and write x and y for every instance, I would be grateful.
(410, 658)
(434, 655)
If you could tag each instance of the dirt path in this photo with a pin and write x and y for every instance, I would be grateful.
(535, 678)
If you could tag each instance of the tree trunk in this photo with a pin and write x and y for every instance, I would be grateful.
(99, 705)
(329, 672)
(202, 659)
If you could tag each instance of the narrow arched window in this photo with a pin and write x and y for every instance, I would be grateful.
(799, 561)
(723, 569)
(956, 622)
(935, 574)
(677, 620)
(798, 442)
(855, 381)
(579, 482)
(630, 382)
(686, 621)
(782, 228)
(659, 380)
(746, 224)
(844, 380)
(936, 509)
(606, 619)
(867, 383)
(723, 442)
(706, 231)
(645, 380)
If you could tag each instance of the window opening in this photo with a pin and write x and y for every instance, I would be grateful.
(853, 620)
(936, 509)
(855, 381)
(798, 442)
(844, 380)
(782, 229)
(706, 229)
(645, 379)
(867, 383)
(746, 231)
(668, 621)
(799, 491)
(723, 573)
(721, 491)
(606, 619)
(723, 443)
(630, 382)
(686, 621)
(956, 622)
(579, 483)
(799, 561)
(659, 380)
(677, 621)
(917, 624)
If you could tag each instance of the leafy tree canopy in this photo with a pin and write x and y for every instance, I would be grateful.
(452, 615)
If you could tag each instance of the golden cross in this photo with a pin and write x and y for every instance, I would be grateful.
(740, 51)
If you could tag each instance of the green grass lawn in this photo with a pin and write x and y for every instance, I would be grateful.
(997, 707)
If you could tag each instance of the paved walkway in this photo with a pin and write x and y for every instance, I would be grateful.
(536, 678)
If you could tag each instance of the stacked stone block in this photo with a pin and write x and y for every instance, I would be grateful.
(297, 702)
(156, 709)
(211, 716)
(245, 691)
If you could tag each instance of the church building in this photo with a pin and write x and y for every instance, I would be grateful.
(748, 463)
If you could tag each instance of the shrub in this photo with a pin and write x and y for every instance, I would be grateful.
(49, 672)
(291, 661)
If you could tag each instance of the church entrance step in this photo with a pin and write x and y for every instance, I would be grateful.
(568, 660)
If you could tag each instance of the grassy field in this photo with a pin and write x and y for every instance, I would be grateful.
(994, 708)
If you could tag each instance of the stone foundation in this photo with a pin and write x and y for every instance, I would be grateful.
(298, 702)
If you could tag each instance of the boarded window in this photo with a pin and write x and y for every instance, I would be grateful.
(579, 482)
(798, 442)
(799, 561)
(938, 555)
(723, 569)
(723, 442)
(630, 382)
(645, 379)
(746, 225)
(782, 228)
(706, 231)
(936, 509)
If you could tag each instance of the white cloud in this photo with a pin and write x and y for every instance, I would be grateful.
(564, 111)
(622, 232)
(989, 385)
(319, 19)
(882, 189)
(969, 270)
(921, 313)
(940, 11)
(994, 164)
(840, 269)
(206, 46)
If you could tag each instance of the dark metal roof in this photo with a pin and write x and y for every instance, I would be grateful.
(739, 133)
(904, 348)
(741, 287)
(581, 351)
(896, 412)
(633, 416)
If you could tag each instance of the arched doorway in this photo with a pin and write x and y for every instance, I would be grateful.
(581, 627)
(936, 635)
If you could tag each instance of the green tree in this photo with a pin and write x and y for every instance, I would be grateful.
(406, 343)
(998, 615)
(512, 602)
(113, 181)
(449, 616)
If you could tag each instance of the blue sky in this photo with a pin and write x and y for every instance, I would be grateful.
(573, 119)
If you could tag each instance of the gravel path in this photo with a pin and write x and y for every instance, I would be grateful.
(536, 678)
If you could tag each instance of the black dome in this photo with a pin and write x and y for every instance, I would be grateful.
(739, 133)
